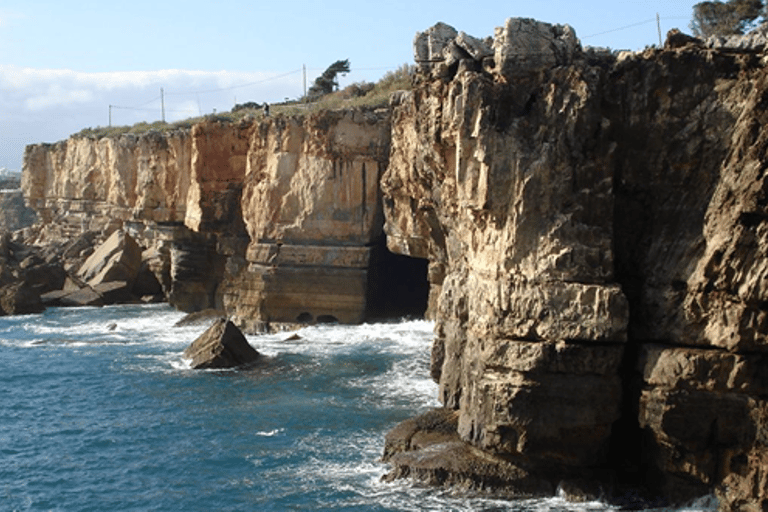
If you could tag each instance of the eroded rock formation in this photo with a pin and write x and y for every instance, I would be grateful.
(273, 220)
(596, 230)
(595, 226)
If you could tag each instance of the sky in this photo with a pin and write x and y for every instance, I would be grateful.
(67, 65)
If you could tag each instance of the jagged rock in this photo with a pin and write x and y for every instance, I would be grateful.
(427, 449)
(476, 48)
(45, 277)
(117, 259)
(694, 398)
(635, 184)
(155, 260)
(428, 46)
(753, 41)
(524, 47)
(81, 297)
(20, 299)
(584, 214)
(115, 292)
(221, 346)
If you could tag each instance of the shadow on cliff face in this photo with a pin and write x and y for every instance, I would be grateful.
(397, 285)
(673, 131)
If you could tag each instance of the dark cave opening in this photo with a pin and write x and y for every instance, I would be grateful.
(397, 285)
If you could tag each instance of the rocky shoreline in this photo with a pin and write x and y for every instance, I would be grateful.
(588, 230)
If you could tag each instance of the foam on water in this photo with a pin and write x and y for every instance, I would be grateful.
(101, 412)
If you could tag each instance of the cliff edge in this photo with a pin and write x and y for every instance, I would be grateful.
(588, 230)
(596, 227)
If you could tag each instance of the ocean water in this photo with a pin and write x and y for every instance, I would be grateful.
(99, 412)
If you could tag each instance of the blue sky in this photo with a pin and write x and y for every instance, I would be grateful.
(62, 63)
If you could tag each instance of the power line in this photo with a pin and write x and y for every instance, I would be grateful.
(652, 20)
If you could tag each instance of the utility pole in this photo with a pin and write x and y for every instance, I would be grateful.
(658, 25)
(304, 67)
(162, 103)
(110, 116)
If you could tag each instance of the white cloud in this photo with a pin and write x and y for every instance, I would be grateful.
(56, 95)
(46, 88)
(45, 105)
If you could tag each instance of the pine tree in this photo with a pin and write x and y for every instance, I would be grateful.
(327, 82)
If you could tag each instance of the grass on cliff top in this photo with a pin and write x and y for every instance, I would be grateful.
(356, 95)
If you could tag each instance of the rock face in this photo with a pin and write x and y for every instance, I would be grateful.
(274, 221)
(222, 345)
(595, 227)
(312, 212)
(117, 259)
(595, 231)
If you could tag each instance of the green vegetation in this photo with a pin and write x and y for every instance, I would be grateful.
(725, 18)
(327, 82)
(356, 95)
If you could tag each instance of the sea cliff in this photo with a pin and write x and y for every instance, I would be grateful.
(587, 229)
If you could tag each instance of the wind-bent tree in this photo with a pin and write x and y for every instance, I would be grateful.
(327, 82)
(725, 18)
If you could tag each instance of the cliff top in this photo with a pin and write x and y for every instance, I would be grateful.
(363, 95)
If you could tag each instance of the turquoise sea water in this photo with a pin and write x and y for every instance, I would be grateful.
(99, 412)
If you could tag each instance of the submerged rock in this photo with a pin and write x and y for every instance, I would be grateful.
(221, 346)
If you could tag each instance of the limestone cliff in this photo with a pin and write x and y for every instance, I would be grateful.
(312, 210)
(596, 230)
(274, 220)
(595, 226)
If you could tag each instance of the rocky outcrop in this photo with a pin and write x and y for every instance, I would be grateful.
(312, 212)
(18, 298)
(117, 259)
(273, 221)
(594, 227)
(222, 345)
(515, 205)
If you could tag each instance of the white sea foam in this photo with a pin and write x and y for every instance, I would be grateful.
(269, 433)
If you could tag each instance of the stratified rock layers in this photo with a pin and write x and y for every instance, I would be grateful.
(312, 211)
(515, 204)
(596, 228)
(588, 218)
(273, 220)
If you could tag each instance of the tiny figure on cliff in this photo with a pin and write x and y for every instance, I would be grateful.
(266, 109)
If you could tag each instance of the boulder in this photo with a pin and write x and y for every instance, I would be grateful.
(117, 259)
(83, 297)
(45, 277)
(478, 49)
(115, 292)
(524, 47)
(221, 346)
(428, 449)
(19, 299)
(428, 46)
